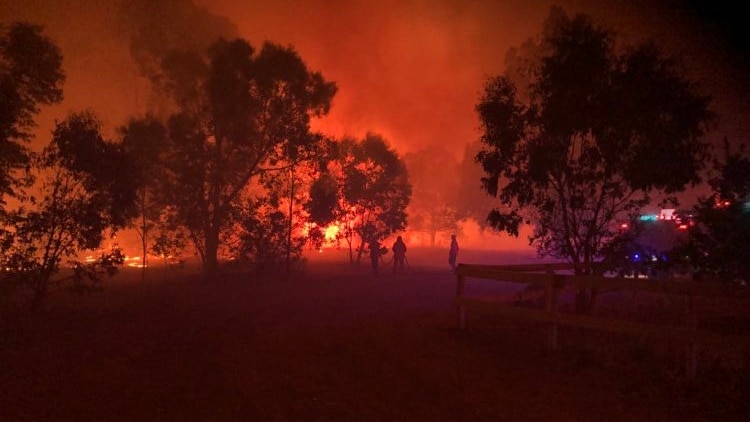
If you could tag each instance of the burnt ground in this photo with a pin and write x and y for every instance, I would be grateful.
(334, 344)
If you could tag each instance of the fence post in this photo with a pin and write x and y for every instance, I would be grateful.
(691, 351)
(551, 296)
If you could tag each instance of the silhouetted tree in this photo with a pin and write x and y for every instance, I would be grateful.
(323, 208)
(30, 76)
(80, 200)
(435, 182)
(719, 240)
(599, 132)
(287, 190)
(372, 191)
(270, 230)
(144, 141)
(171, 239)
(265, 242)
(242, 113)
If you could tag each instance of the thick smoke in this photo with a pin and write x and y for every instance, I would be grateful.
(156, 29)
(410, 70)
(112, 47)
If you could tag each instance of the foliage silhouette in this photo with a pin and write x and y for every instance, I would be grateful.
(719, 240)
(365, 193)
(80, 200)
(241, 114)
(30, 76)
(595, 131)
(144, 141)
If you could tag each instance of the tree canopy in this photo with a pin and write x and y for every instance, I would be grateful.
(82, 195)
(30, 76)
(719, 240)
(581, 131)
(365, 192)
(241, 113)
(144, 142)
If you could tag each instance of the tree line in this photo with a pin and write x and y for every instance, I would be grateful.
(232, 168)
(578, 133)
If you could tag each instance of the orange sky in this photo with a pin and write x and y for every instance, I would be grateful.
(408, 69)
(412, 70)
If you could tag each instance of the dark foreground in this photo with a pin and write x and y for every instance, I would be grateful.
(337, 344)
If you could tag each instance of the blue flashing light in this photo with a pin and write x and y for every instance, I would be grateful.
(636, 257)
(648, 217)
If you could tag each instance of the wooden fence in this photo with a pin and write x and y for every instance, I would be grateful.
(550, 285)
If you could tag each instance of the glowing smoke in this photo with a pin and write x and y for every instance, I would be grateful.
(410, 70)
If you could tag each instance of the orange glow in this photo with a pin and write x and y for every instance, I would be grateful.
(383, 87)
(410, 71)
(331, 232)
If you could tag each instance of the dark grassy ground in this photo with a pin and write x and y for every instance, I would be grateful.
(333, 344)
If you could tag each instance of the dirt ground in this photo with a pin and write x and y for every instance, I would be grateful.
(333, 344)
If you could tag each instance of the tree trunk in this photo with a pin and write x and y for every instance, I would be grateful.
(351, 252)
(211, 262)
(289, 232)
(144, 247)
(361, 249)
(36, 300)
(586, 300)
(40, 293)
(144, 261)
(144, 239)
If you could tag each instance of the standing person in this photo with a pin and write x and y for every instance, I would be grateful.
(399, 254)
(374, 254)
(453, 253)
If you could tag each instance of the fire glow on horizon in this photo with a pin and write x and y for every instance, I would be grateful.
(410, 71)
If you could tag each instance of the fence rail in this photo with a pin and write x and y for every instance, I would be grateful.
(552, 285)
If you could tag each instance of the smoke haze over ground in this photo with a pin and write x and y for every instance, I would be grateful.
(409, 70)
